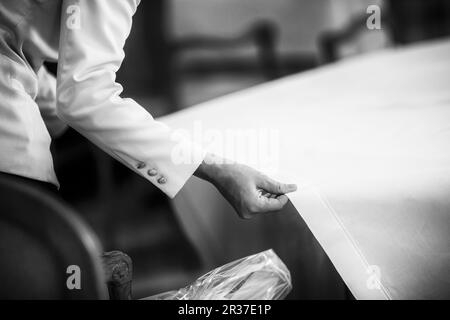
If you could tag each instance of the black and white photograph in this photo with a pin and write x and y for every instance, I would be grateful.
(236, 150)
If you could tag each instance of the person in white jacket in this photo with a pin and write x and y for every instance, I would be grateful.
(86, 38)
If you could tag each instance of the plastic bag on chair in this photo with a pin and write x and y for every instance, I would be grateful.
(262, 276)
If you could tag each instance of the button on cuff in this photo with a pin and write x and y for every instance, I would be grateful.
(140, 165)
(162, 180)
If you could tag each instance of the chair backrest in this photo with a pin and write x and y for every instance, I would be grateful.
(40, 239)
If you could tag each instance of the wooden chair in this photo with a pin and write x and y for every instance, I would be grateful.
(40, 238)
(406, 21)
(164, 51)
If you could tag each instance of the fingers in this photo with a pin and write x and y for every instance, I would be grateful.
(276, 187)
(273, 204)
(264, 204)
(269, 202)
(264, 193)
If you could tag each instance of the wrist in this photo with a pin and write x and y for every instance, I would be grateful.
(209, 168)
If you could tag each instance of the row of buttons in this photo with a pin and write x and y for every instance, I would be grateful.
(152, 173)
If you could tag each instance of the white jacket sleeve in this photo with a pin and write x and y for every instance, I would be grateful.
(46, 100)
(93, 34)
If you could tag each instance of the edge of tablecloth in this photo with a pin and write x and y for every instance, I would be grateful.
(337, 243)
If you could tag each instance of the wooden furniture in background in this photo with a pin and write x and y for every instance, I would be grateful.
(406, 21)
(40, 237)
(118, 272)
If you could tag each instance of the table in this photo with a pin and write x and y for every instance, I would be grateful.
(367, 141)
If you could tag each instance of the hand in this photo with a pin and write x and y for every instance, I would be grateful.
(248, 191)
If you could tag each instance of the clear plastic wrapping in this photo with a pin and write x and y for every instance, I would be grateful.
(262, 276)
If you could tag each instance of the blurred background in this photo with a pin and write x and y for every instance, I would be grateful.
(184, 52)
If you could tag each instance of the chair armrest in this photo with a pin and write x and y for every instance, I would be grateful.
(263, 34)
(329, 41)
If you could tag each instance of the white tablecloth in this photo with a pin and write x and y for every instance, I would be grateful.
(368, 142)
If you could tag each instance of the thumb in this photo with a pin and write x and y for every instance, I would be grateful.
(276, 187)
